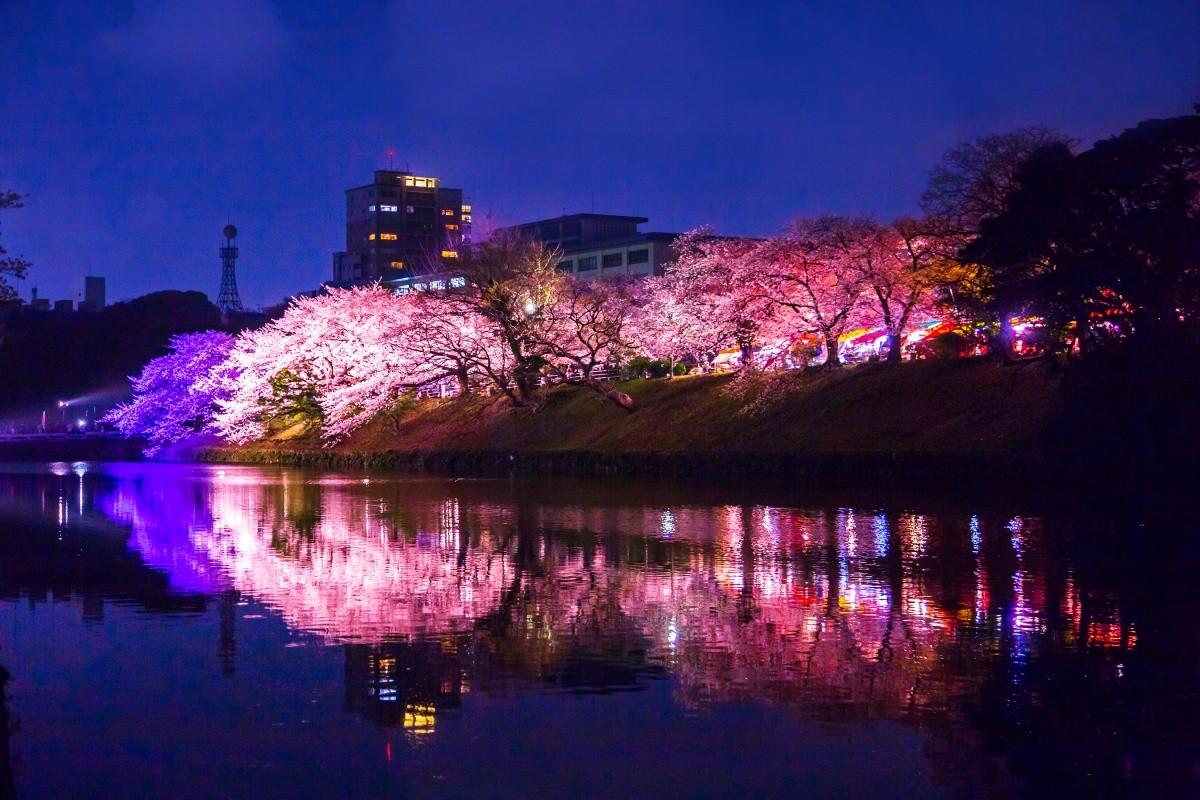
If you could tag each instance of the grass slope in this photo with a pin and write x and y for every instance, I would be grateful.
(967, 406)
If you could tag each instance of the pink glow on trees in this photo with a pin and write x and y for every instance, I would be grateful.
(706, 300)
(507, 281)
(454, 342)
(912, 260)
(335, 360)
(587, 326)
(177, 395)
(368, 336)
(812, 274)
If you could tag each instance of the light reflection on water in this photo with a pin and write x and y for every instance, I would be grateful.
(438, 590)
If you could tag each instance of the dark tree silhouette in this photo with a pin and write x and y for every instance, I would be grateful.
(1111, 234)
(12, 267)
(47, 356)
(975, 178)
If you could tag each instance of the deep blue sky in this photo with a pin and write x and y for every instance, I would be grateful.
(138, 129)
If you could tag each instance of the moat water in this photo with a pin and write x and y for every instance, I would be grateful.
(202, 631)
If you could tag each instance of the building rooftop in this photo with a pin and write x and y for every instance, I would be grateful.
(392, 177)
(565, 217)
(571, 230)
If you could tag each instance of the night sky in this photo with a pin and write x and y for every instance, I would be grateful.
(138, 129)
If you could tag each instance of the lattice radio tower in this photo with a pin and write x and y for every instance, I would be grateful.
(228, 301)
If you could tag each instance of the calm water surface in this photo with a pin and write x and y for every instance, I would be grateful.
(194, 631)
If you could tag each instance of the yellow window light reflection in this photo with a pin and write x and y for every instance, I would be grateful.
(419, 719)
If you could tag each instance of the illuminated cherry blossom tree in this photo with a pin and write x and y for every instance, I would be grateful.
(334, 360)
(707, 299)
(813, 275)
(507, 282)
(454, 342)
(177, 395)
(585, 327)
(509, 321)
(912, 261)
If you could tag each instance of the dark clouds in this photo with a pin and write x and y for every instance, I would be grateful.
(138, 129)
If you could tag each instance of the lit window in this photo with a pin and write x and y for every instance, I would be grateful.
(371, 237)
(466, 209)
(457, 283)
(420, 183)
(447, 212)
(449, 254)
(370, 208)
(401, 291)
(420, 287)
(437, 284)
(389, 236)
(466, 217)
(387, 208)
(451, 227)
(397, 264)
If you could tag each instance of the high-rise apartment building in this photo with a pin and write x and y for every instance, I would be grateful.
(399, 227)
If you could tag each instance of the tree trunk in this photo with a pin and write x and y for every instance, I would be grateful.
(893, 356)
(620, 398)
(524, 383)
(747, 355)
(832, 361)
(610, 393)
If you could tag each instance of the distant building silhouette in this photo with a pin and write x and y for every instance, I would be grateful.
(93, 292)
(601, 245)
(398, 227)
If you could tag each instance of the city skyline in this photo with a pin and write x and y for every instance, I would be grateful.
(137, 132)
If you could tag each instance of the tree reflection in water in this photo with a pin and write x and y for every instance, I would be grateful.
(1061, 648)
(8, 788)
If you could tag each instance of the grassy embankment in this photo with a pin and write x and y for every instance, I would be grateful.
(908, 422)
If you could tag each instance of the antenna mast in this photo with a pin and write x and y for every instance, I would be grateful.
(228, 300)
